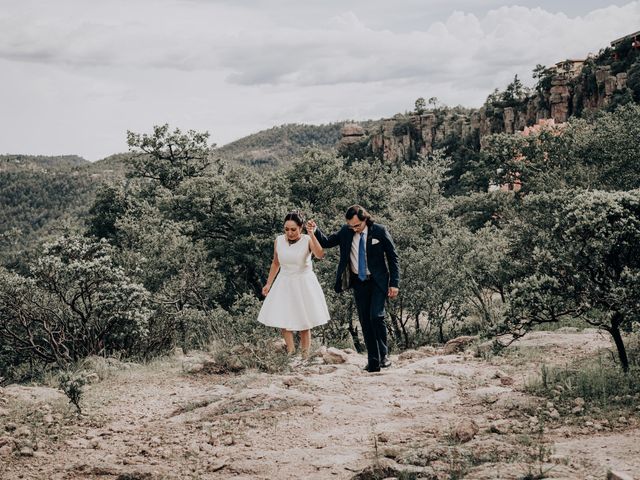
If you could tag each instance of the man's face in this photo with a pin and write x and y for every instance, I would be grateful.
(356, 224)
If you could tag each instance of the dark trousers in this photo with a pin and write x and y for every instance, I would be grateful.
(370, 304)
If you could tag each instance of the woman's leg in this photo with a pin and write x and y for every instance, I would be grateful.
(305, 342)
(288, 339)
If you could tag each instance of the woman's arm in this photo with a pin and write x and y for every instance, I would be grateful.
(314, 244)
(273, 271)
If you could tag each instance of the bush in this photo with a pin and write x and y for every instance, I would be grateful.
(240, 342)
(600, 383)
(72, 384)
(77, 303)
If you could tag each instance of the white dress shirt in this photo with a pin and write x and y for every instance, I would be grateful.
(355, 244)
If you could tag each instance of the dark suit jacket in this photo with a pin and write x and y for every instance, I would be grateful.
(383, 276)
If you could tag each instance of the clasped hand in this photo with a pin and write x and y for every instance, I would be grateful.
(311, 227)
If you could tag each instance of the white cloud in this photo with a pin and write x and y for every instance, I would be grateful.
(80, 73)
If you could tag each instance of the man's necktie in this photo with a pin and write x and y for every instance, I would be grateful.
(362, 260)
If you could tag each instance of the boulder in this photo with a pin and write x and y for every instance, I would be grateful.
(506, 381)
(465, 430)
(616, 475)
(279, 345)
(23, 432)
(192, 367)
(320, 352)
(602, 72)
(621, 79)
(6, 440)
(610, 85)
(178, 352)
(553, 413)
(26, 452)
(91, 377)
(334, 356)
(458, 344)
(509, 119)
(352, 130)
(500, 427)
(409, 354)
(428, 350)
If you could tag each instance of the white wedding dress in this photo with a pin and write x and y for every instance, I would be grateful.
(296, 300)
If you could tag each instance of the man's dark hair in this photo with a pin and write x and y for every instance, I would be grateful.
(360, 212)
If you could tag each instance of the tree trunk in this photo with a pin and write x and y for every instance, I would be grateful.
(617, 338)
(395, 321)
(354, 330)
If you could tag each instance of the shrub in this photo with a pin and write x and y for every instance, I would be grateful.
(240, 342)
(598, 382)
(77, 303)
(72, 384)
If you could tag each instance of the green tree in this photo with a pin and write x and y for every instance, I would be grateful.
(235, 214)
(598, 153)
(168, 158)
(584, 263)
(633, 80)
(109, 206)
(178, 273)
(433, 287)
(420, 106)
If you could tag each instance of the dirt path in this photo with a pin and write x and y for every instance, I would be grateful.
(321, 421)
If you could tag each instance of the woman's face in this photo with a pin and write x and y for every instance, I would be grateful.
(292, 230)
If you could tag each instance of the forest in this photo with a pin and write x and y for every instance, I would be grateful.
(176, 252)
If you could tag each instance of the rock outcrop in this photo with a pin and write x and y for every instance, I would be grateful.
(567, 93)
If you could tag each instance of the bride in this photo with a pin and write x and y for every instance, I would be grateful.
(294, 299)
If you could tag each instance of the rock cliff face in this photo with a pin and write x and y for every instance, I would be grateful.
(403, 137)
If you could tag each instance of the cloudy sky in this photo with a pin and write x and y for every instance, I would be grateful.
(75, 75)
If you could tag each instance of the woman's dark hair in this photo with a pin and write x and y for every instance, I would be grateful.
(360, 212)
(295, 216)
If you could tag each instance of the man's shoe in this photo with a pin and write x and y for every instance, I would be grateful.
(369, 369)
(385, 362)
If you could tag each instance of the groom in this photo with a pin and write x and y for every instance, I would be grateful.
(364, 245)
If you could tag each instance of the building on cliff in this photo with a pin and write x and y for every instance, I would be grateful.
(570, 66)
(634, 37)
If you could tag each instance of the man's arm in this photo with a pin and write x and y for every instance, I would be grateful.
(331, 241)
(392, 259)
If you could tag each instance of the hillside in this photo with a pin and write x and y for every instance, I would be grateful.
(43, 194)
(40, 197)
(37, 162)
(280, 145)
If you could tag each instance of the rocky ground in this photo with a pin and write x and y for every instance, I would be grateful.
(436, 413)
